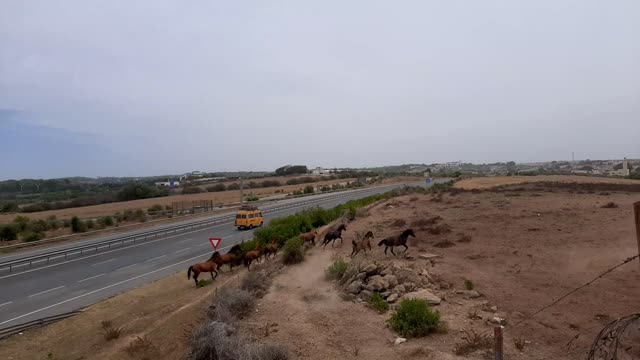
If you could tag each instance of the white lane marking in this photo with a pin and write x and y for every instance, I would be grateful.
(92, 277)
(203, 244)
(157, 257)
(7, 303)
(144, 243)
(126, 267)
(181, 241)
(46, 291)
(98, 290)
(104, 262)
(179, 251)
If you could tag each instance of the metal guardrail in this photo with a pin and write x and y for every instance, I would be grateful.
(12, 330)
(90, 249)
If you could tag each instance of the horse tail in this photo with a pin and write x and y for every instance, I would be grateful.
(189, 272)
(382, 242)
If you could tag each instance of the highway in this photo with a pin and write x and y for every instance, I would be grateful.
(70, 285)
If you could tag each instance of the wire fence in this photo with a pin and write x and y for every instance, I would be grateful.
(607, 344)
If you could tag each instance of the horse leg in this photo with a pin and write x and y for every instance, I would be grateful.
(394, 254)
(405, 247)
(385, 250)
(195, 277)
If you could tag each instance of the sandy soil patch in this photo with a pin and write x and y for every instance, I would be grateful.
(492, 181)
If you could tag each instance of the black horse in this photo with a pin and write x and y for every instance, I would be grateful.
(232, 258)
(400, 240)
(333, 236)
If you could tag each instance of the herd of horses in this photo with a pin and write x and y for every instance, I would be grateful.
(235, 258)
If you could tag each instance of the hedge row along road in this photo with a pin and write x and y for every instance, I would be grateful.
(68, 286)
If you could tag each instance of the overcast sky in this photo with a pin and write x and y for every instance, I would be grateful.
(129, 88)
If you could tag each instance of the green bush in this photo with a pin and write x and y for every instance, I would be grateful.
(252, 198)
(468, 284)
(414, 318)
(78, 225)
(90, 224)
(53, 222)
(292, 252)
(66, 223)
(38, 226)
(29, 236)
(8, 232)
(106, 221)
(336, 270)
(192, 190)
(155, 208)
(308, 189)
(140, 215)
(377, 302)
(9, 207)
(21, 222)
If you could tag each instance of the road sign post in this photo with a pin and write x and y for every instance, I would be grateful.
(215, 242)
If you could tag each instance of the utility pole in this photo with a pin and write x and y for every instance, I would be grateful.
(241, 192)
(636, 211)
(573, 157)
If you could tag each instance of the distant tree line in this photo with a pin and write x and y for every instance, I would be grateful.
(132, 191)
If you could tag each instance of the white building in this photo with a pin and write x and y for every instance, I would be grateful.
(169, 183)
(622, 172)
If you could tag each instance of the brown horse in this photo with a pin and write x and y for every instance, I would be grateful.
(400, 240)
(271, 249)
(208, 266)
(252, 255)
(232, 258)
(310, 236)
(332, 236)
(362, 245)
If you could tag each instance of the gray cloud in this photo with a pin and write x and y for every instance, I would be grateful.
(174, 86)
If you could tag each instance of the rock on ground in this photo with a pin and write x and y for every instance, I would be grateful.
(427, 295)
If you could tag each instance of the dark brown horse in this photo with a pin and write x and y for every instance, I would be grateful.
(271, 249)
(332, 236)
(362, 245)
(310, 236)
(232, 258)
(400, 240)
(252, 255)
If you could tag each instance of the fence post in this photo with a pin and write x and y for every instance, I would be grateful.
(497, 334)
(636, 211)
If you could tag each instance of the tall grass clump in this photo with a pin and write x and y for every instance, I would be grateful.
(414, 318)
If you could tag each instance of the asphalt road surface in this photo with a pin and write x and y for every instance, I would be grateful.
(71, 285)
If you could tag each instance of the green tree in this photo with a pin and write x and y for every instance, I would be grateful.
(78, 225)
(8, 232)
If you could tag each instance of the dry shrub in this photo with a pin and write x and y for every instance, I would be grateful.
(398, 223)
(519, 343)
(420, 352)
(472, 342)
(473, 314)
(424, 222)
(215, 340)
(440, 229)
(413, 198)
(142, 348)
(109, 332)
(231, 304)
(444, 244)
(437, 198)
(464, 238)
(610, 205)
(256, 282)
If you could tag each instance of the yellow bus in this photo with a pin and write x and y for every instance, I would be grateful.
(248, 217)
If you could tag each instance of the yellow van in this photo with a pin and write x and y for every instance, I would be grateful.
(248, 217)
